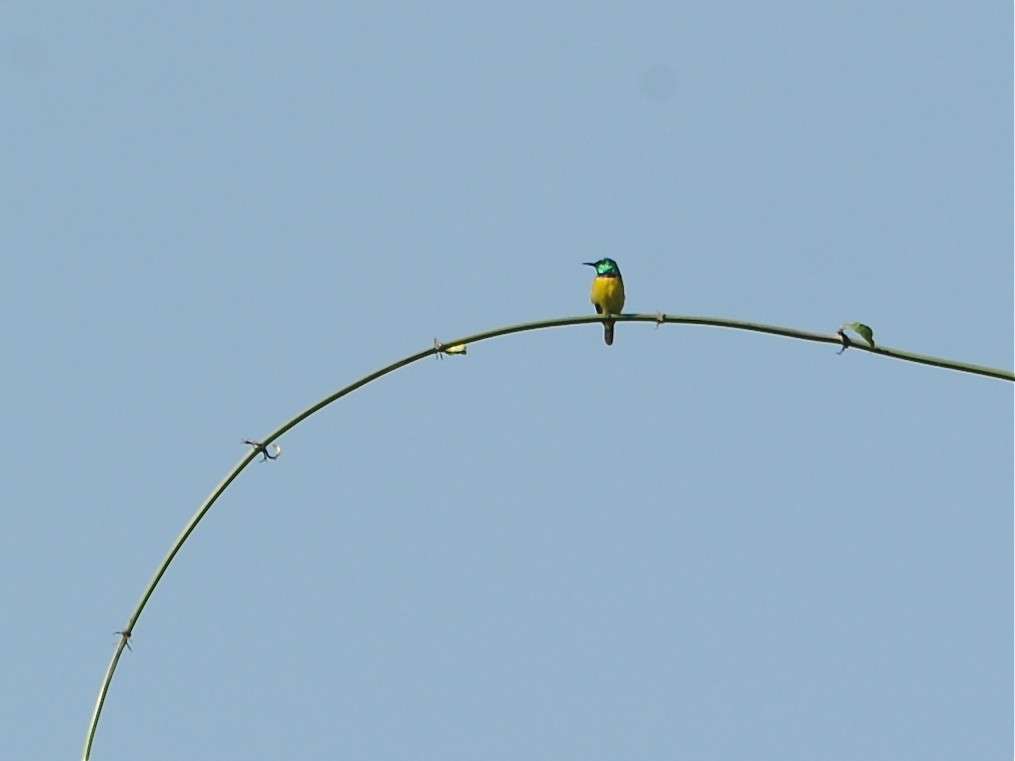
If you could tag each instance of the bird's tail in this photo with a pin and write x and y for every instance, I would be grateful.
(608, 332)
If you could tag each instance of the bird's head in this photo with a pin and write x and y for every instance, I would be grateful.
(605, 268)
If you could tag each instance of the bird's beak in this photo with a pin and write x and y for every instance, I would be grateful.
(589, 264)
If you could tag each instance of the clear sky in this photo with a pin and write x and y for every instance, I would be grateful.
(697, 543)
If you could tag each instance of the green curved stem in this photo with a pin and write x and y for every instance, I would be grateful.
(830, 338)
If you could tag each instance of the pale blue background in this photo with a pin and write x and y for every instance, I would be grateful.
(697, 544)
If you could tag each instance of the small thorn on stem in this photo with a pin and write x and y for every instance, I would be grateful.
(263, 449)
(125, 635)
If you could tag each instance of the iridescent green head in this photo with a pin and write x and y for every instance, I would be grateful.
(605, 268)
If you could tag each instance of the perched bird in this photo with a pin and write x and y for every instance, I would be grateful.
(607, 293)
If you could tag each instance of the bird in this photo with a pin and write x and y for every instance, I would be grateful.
(607, 293)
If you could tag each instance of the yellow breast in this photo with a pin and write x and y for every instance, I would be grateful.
(608, 295)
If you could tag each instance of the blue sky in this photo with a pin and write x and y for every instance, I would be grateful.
(697, 543)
